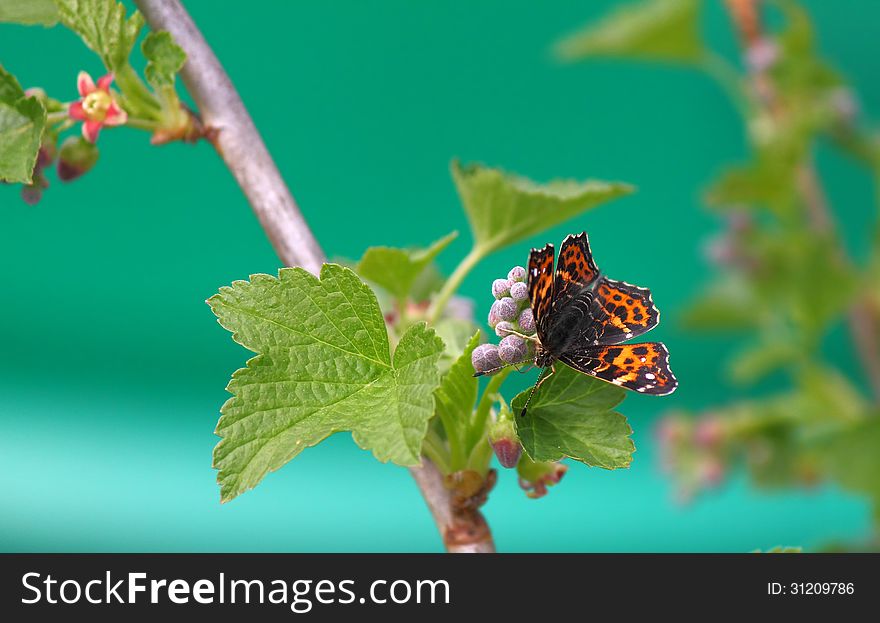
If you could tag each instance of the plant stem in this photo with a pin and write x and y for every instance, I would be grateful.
(242, 149)
(478, 426)
(463, 532)
(452, 284)
(725, 75)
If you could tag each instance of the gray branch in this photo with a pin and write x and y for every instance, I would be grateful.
(236, 138)
(242, 148)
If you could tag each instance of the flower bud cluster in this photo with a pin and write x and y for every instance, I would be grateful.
(511, 318)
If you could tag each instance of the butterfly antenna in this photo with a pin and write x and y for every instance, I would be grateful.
(532, 393)
(493, 370)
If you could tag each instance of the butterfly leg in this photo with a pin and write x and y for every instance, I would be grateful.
(541, 379)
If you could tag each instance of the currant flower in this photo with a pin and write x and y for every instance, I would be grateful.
(98, 106)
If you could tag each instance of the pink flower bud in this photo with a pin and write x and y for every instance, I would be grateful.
(485, 358)
(504, 440)
(512, 349)
(506, 309)
(500, 288)
(517, 273)
(519, 292)
(527, 321)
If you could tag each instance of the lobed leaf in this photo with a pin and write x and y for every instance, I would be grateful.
(653, 30)
(29, 12)
(103, 27)
(397, 270)
(22, 121)
(457, 394)
(324, 366)
(571, 415)
(164, 59)
(504, 209)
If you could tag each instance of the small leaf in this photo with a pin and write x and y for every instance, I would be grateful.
(396, 270)
(504, 209)
(164, 59)
(728, 304)
(324, 366)
(761, 359)
(29, 12)
(455, 399)
(653, 30)
(103, 27)
(571, 415)
(22, 121)
(455, 334)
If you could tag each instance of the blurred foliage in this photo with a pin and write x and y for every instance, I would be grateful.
(785, 278)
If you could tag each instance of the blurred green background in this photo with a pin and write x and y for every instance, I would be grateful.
(112, 368)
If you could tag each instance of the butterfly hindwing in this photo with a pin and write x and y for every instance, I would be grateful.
(621, 311)
(575, 269)
(541, 284)
(640, 367)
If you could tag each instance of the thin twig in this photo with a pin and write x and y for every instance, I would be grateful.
(242, 148)
(862, 319)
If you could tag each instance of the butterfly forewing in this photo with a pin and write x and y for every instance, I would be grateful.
(575, 269)
(640, 367)
(541, 286)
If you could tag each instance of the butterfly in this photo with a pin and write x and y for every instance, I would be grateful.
(582, 318)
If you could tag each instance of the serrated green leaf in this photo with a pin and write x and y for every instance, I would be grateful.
(653, 30)
(571, 415)
(164, 59)
(396, 270)
(22, 121)
(504, 209)
(29, 12)
(103, 27)
(455, 400)
(324, 366)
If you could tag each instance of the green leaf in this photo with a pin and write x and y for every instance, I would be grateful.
(29, 12)
(571, 415)
(324, 366)
(455, 399)
(103, 27)
(853, 459)
(504, 209)
(761, 359)
(455, 334)
(396, 270)
(164, 59)
(654, 30)
(22, 121)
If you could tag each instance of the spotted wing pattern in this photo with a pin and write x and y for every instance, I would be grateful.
(541, 285)
(640, 367)
(575, 269)
(620, 312)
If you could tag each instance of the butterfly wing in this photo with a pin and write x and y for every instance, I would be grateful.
(575, 269)
(541, 286)
(620, 312)
(640, 367)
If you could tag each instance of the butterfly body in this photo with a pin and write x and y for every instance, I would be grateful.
(583, 318)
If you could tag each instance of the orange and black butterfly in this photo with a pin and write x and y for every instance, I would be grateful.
(582, 318)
